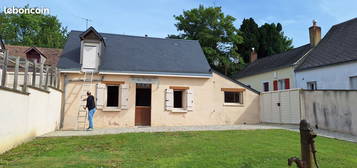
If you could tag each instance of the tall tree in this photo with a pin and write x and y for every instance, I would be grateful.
(267, 39)
(32, 30)
(216, 33)
(249, 30)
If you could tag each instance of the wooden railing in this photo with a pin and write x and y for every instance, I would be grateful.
(18, 73)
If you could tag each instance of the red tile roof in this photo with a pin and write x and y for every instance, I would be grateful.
(52, 54)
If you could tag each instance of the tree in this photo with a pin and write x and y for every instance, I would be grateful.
(216, 33)
(32, 30)
(267, 39)
(249, 30)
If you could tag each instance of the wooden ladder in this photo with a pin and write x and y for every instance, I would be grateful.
(82, 114)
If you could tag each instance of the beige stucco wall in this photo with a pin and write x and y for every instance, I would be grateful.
(208, 109)
(23, 117)
(256, 81)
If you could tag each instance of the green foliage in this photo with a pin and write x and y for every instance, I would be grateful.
(215, 32)
(32, 30)
(267, 39)
(208, 149)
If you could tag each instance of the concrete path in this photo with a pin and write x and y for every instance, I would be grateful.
(105, 131)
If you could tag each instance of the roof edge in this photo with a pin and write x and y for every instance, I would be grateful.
(235, 81)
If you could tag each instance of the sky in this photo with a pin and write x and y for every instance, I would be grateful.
(155, 17)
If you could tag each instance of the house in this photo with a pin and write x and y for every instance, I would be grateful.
(148, 81)
(276, 72)
(48, 56)
(333, 62)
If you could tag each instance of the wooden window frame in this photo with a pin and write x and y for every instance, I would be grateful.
(112, 108)
(234, 90)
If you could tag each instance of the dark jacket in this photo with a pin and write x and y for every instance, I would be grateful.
(90, 102)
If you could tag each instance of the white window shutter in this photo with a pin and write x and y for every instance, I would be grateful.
(124, 98)
(189, 100)
(101, 95)
(169, 99)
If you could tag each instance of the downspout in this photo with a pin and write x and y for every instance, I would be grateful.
(63, 99)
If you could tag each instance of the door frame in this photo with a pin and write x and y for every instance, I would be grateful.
(140, 110)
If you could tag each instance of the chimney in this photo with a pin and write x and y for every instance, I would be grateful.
(253, 55)
(315, 34)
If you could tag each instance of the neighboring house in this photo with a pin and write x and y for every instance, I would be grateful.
(2, 48)
(333, 62)
(276, 72)
(48, 56)
(149, 81)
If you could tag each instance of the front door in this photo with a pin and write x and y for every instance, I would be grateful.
(143, 104)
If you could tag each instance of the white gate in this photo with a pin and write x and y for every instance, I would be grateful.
(280, 106)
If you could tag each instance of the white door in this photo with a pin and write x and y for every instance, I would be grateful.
(89, 56)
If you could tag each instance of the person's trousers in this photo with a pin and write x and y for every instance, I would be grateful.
(90, 117)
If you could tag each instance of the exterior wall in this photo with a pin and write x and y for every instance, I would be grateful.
(256, 81)
(331, 110)
(23, 117)
(329, 77)
(208, 108)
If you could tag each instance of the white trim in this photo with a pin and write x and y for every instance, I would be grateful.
(148, 74)
(70, 71)
(302, 57)
(233, 104)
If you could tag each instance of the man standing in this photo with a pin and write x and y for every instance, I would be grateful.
(91, 109)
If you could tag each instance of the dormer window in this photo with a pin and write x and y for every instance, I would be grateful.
(35, 55)
(92, 44)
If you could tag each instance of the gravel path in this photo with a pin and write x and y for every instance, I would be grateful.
(105, 131)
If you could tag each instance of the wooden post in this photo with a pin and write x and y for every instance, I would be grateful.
(58, 78)
(34, 73)
(51, 77)
(47, 73)
(305, 140)
(4, 69)
(24, 87)
(41, 76)
(16, 73)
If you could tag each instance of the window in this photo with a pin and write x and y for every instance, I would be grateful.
(143, 94)
(311, 85)
(266, 86)
(113, 96)
(90, 53)
(178, 98)
(353, 82)
(282, 84)
(233, 97)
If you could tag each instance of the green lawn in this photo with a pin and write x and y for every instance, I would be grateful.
(238, 149)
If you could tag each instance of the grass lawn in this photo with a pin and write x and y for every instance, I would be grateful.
(238, 149)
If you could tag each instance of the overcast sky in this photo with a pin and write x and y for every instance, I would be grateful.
(155, 17)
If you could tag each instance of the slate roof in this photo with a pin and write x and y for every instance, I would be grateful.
(274, 62)
(338, 46)
(52, 54)
(125, 53)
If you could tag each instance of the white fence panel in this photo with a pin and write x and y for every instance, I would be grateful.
(281, 107)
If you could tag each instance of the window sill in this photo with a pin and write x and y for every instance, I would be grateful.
(233, 104)
(179, 110)
(108, 109)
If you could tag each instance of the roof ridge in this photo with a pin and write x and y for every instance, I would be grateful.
(136, 36)
(32, 46)
(279, 53)
(350, 20)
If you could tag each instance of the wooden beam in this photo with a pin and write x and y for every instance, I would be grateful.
(4, 69)
(47, 75)
(34, 66)
(113, 82)
(24, 87)
(16, 73)
(41, 76)
(233, 89)
(179, 87)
